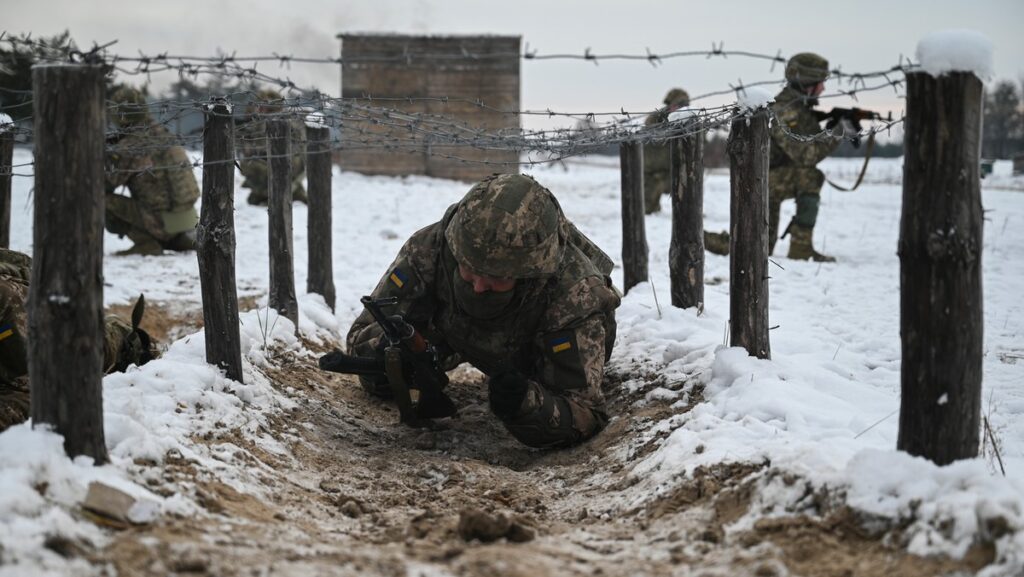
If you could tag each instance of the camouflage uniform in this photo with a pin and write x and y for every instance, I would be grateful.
(251, 143)
(122, 346)
(160, 212)
(657, 165)
(556, 327)
(792, 172)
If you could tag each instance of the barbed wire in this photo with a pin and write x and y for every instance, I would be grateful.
(367, 123)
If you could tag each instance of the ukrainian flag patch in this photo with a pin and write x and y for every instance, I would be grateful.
(6, 331)
(398, 277)
(560, 344)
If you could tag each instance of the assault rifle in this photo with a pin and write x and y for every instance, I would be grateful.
(854, 115)
(408, 362)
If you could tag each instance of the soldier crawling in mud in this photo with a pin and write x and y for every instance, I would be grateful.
(160, 212)
(792, 172)
(506, 282)
(124, 345)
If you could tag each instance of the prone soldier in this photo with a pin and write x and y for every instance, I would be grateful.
(124, 344)
(506, 282)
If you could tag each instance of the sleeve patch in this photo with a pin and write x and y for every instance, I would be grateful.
(398, 277)
(6, 331)
(560, 344)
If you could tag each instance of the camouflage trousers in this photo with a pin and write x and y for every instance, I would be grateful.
(256, 176)
(127, 217)
(802, 184)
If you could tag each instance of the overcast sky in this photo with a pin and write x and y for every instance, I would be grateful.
(861, 36)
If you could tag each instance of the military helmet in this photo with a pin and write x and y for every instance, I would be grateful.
(130, 106)
(266, 100)
(677, 97)
(806, 68)
(507, 226)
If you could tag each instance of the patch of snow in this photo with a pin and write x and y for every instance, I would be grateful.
(956, 51)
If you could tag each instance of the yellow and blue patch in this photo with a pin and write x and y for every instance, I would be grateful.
(398, 277)
(6, 331)
(560, 344)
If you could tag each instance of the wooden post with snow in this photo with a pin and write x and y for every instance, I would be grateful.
(6, 169)
(686, 251)
(320, 278)
(279, 209)
(940, 248)
(65, 297)
(215, 243)
(634, 234)
(748, 225)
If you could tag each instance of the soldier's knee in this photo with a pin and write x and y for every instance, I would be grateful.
(807, 209)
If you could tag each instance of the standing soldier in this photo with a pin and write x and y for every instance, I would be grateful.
(656, 155)
(251, 142)
(505, 282)
(792, 172)
(160, 211)
(125, 344)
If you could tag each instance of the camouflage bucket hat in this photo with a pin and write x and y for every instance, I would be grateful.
(807, 68)
(507, 226)
(678, 97)
(130, 106)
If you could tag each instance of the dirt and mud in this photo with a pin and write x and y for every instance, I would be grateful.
(357, 494)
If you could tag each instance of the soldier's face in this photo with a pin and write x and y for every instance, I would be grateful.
(483, 283)
(818, 89)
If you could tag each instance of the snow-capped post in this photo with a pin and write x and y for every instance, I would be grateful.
(686, 251)
(634, 234)
(65, 298)
(748, 225)
(320, 279)
(6, 168)
(940, 249)
(215, 242)
(279, 209)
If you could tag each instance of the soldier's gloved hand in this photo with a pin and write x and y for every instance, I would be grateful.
(404, 328)
(329, 361)
(507, 390)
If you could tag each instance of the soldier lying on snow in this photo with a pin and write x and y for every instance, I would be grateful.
(505, 282)
(124, 345)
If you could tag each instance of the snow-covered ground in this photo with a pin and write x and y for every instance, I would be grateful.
(824, 407)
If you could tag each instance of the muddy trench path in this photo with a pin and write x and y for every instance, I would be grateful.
(335, 486)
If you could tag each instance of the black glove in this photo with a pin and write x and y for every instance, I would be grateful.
(507, 390)
(330, 361)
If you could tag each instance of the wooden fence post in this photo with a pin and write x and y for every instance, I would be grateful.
(320, 279)
(65, 299)
(634, 234)
(279, 209)
(686, 252)
(215, 243)
(6, 168)
(940, 251)
(748, 224)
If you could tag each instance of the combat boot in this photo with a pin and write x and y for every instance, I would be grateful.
(717, 242)
(801, 246)
(147, 247)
